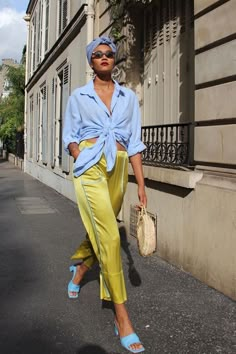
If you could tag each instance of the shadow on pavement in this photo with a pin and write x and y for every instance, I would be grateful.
(91, 349)
(29, 343)
(91, 275)
(27, 324)
(134, 276)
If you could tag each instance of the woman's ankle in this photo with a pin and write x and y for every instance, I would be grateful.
(122, 320)
(81, 269)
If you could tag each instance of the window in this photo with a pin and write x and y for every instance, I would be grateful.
(62, 16)
(39, 35)
(41, 125)
(53, 124)
(168, 62)
(37, 129)
(31, 126)
(63, 88)
(39, 31)
(46, 25)
(30, 59)
(33, 42)
(44, 123)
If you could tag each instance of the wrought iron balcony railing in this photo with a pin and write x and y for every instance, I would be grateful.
(167, 144)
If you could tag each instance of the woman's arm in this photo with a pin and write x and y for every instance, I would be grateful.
(71, 128)
(134, 150)
(136, 162)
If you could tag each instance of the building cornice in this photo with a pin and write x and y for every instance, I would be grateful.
(181, 178)
(30, 6)
(60, 45)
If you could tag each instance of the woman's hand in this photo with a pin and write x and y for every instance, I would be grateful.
(74, 150)
(142, 196)
(75, 155)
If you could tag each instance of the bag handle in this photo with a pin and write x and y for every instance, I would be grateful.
(143, 210)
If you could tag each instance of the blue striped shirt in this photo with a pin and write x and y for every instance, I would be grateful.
(88, 117)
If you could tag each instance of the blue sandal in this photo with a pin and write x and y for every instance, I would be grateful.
(127, 341)
(73, 288)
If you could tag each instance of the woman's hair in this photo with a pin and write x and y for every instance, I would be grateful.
(96, 42)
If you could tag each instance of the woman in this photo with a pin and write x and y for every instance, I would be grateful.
(101, 131)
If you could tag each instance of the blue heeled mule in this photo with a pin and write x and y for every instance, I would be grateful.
(73, 288)
(127, 341)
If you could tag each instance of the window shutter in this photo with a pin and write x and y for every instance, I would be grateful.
(44, 125)
(31, 124)
(147, 32)
(150, 86)
(165, 25)
(59, 17)
(34, 21)
(182, 16)
(30, 59)
(39, 32)
(53, 125)
(64, 14)
(46, 26)
(65, 95)
(174, 18)
(154, 27)
(36, 132)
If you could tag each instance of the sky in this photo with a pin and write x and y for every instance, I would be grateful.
(13, 29)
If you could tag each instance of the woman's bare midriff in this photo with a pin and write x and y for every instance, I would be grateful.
(118, 145)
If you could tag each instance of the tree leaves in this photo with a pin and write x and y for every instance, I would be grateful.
(12, 107)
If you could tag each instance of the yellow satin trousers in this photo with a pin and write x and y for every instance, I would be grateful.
(100, 195)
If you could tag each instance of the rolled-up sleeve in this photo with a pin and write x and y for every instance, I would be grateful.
(135, 144)
(72, 122)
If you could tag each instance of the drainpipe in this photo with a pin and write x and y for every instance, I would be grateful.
(90, 33)
(27, 20)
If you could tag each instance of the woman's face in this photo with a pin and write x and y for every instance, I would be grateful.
(103, 59)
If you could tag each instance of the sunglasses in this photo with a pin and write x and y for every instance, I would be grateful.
(99, 54)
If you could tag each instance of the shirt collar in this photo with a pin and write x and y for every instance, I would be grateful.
(88, 89)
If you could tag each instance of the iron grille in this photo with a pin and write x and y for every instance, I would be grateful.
(167, 144)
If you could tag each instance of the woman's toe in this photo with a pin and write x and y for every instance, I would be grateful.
(136, 346)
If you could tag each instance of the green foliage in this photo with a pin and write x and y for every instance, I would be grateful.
(12, 107)
(119, 10)
(16, 77)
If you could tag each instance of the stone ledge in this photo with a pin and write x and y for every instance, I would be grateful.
(220, 179)
(185, 179)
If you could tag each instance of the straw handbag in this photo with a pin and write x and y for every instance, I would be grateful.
(146, 233)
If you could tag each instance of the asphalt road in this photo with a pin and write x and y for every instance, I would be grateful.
(39, 229)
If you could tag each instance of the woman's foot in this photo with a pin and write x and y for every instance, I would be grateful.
(125, 328)
(81, 269)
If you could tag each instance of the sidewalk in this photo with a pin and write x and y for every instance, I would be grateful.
(39, 229)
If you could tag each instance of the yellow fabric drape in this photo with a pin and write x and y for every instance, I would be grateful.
(100, 195)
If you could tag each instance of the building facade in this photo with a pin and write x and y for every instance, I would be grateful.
(178, 56)
(56, 64)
